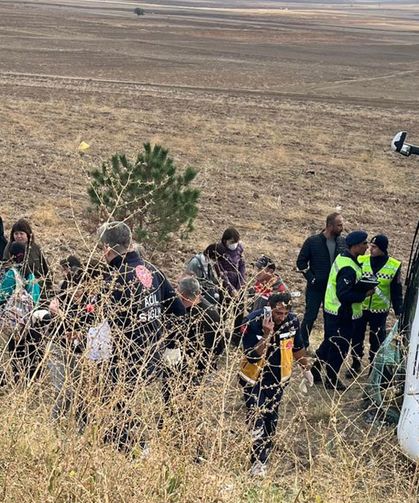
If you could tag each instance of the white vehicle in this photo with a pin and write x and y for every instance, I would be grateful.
(408, 425)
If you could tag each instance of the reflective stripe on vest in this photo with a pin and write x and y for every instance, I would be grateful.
(380, 301)
(331, 301)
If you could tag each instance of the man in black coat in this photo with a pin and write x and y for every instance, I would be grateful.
(194, 351)
(314, 261)
(138, 300)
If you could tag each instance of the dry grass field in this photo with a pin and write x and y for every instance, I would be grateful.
(287, 109)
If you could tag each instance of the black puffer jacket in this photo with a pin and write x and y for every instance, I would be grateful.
(314, 259)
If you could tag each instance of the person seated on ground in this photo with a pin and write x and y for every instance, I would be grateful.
(35, 261)
(231, 269)
(267, 282)
(19, 294)
(202, 266)
(271, 341)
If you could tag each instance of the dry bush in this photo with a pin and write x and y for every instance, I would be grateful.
(325, 451)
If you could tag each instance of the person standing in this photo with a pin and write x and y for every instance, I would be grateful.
(194, 351)
(138, 299)
(314, 261)
(271, 341)
(231, 269)
(19, 294)
(342, 309)
(3, 240)
(202, 266)
(375, 309)
(230, 264)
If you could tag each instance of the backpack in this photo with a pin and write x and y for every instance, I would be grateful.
(207, 279)
(19, 305)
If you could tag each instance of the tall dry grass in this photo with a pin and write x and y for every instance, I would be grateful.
(197, 444)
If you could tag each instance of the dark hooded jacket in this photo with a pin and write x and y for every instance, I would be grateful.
(140, 301)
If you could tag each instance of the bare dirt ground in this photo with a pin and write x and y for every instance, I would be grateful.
(287, 113)
(286, 108)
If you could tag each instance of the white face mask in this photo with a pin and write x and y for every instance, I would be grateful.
(233, 246)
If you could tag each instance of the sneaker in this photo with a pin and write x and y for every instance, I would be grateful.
(141, 452)
(258, 470)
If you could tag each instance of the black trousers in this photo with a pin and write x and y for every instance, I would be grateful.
(335, 346)
(377, 324)
(262, 404)
(26, 353)
(130, 370)
(314, 299)
(236, 307)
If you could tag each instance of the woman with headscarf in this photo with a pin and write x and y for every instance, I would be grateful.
(35, 261)
(19, 293)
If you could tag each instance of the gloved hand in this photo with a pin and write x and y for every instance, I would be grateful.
(39, 315)
(307, 380)
(308, 376)
(172, 357)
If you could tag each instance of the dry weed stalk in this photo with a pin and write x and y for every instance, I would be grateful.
(199, 443)
(198, 440)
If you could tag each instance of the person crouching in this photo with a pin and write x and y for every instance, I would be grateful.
(271, 341)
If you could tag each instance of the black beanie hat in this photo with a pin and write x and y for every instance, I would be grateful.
(381, 241)
(72, 262)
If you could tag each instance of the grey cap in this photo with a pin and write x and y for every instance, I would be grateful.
(117, 235)
(189, 287)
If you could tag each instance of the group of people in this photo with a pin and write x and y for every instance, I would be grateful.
(356, 289)
(122, 310)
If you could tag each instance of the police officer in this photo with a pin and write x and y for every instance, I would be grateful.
(376, 307)
(343, 307)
